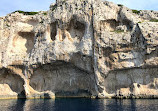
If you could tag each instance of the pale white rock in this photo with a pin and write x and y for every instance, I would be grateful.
(79, 48)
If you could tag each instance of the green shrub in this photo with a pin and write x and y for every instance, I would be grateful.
(136, 11)
(120, 5)
(54, 7)
(41, 22)
(7, 25)
(118, 31)
(154, 20)
(45, 13)
(26, 13)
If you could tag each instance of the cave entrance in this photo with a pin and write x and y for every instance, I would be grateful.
(11, 84)
(62, 78)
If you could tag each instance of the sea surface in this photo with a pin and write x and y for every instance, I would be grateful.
(79, 105)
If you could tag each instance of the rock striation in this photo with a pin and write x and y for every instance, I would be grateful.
(79, 48)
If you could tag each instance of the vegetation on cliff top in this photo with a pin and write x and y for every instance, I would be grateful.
(45, 13)
(154, 20)
(120, 5)
(54, 7)
(26, 13)
(136, 11)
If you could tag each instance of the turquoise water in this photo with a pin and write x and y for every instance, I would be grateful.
(79, 105)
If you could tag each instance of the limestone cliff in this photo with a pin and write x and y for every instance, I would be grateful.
(79, 48)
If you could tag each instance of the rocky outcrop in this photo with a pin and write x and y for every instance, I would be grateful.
(79, 48)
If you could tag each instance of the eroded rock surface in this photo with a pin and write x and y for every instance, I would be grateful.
(79, 48)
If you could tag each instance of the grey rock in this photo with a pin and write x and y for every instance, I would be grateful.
(79, 48)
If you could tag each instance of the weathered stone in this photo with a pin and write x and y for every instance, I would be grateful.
(79, 48)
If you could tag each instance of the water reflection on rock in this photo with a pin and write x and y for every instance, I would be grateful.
(79, 105)
(12, 105)
(39, 105)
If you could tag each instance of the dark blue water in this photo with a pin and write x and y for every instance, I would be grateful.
(79, 105)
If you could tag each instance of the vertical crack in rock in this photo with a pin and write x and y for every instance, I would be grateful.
(53, 30)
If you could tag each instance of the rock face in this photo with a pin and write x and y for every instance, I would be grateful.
(79, 48)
